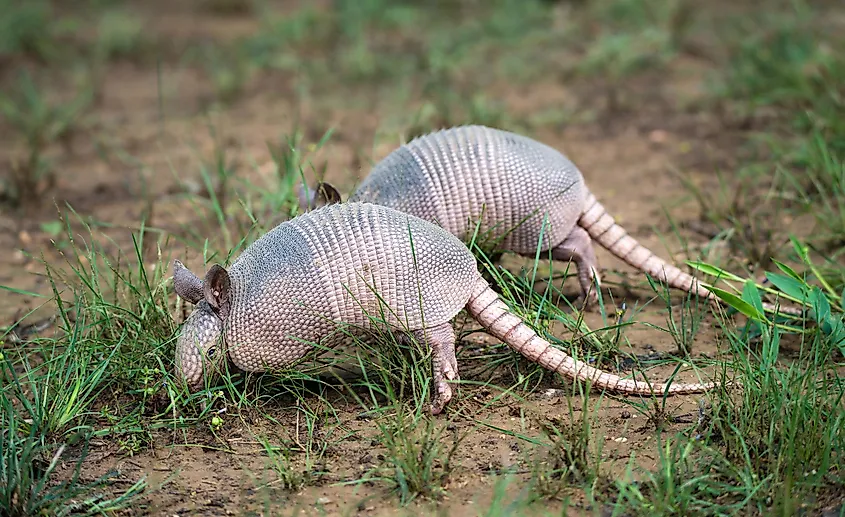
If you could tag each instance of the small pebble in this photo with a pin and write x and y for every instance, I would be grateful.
(658, 136)
(18, 257)
(625, 414)
(552, 392)
(323, 500)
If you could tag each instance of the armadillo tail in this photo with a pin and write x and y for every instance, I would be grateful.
(603, 229)
(492, 313)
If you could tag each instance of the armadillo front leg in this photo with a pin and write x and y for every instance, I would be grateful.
(441, 339)
(578, 248)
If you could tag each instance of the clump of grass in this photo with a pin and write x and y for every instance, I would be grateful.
(64, 386)
(30, 29)
(227, 68)
(418, 453)
(51, 386)
(301, 461)
(569, 459)
(107, 368)
(750, 450)
(29, 481)
(120, 35)
(39, 122)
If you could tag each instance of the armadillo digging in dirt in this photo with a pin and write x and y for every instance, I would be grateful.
(337, 265)
(517, 189)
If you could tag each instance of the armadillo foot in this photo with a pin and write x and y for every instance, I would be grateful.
(578, 249)
(441, 339)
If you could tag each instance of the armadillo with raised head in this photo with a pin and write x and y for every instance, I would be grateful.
(515, 190)
(347, 264)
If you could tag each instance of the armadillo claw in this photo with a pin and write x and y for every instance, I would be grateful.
(587, 302)
(442, 374)
(444, 395)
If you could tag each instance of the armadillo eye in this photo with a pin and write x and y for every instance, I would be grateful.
(211, 352)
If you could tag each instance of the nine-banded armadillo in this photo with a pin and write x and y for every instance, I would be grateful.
(337, 265)
(517, 189)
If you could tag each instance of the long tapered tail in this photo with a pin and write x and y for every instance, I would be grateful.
(486, 307)
(603, 229)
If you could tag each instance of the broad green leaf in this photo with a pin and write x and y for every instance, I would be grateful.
(714, 271)
(738, 303)
(820, 304)
(800, 249)
(788, 270)
(790, 286)
(751, 294)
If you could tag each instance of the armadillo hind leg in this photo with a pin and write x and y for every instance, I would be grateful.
(441, 339)
(577, 248)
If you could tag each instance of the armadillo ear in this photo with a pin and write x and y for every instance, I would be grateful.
(217, 288)
(187, 284)
(303, 194)
(323, 194)
(326, 195)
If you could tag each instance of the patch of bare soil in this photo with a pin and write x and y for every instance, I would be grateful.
(141, 148)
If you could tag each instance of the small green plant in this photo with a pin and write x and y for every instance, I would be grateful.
(40, 122)
(29, 28)
(301, 461)
(418, 456)
(639, 35)
(567, 458)
(227, 68)
(825, 300)
(120, 35)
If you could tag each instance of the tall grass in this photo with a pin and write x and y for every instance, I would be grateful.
(44, 414)
(768, 449)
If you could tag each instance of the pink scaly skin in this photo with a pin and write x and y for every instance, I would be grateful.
(339, 264)
(601, 226)
(492, 313)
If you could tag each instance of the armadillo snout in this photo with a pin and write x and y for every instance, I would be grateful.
(199, 348)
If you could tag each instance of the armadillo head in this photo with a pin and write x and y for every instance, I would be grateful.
(200, 347)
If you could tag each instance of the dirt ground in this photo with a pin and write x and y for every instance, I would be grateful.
(628, 162)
